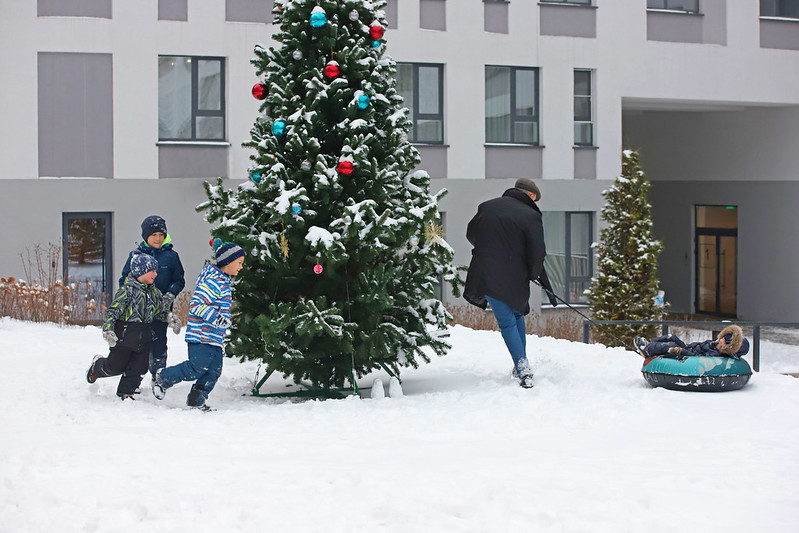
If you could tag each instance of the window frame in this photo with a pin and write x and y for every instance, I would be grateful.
(196, 112)
(590, 98)
(568, 277)
(514, 117)
(666, 7)
(416, 114)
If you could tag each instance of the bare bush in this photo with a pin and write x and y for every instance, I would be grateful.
(560, 326)
(475, 318)
(46, 298)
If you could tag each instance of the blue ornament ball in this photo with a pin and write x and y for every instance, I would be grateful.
(375, 44)
(414, 240)
(296, 209)
(363, 101)
(256, 177)
(279, 127)
(318, 17)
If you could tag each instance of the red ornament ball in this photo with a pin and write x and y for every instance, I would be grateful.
(318, 269)
(376, 31)
(259, 91)
(331, 70)
(345, 167)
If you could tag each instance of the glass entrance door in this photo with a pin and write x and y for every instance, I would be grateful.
(716, 260)
(87, 255)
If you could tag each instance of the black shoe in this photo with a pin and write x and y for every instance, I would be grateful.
(126, 396)
(158, 390)
(91, 377)
(640, 344)
(526, 381)
(204, 408)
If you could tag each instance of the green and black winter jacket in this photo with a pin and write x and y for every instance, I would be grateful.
(134, 308)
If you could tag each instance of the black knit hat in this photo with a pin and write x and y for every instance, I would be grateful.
(152, 224)
(140, 264)
(528, 185)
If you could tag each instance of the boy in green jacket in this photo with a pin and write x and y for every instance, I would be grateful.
(128, 327)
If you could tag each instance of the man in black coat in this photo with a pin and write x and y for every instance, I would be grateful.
(508, 238)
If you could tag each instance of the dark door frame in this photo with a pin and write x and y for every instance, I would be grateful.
(713, 232)
(108, 273)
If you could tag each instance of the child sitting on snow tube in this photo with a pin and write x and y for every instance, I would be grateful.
(730, 343)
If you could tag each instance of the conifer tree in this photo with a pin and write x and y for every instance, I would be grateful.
(626, 285)
(346, 249)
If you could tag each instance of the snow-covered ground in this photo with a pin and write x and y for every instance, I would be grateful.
(590, 449)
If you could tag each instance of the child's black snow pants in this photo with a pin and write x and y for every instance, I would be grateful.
(129, 357)
(661, 345)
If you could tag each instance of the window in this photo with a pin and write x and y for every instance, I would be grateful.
(583, 109)
(422, 88)
(87, 254)
(689, 6)
(511, 95)
(569, 261)
(191, 104)
(779, 8)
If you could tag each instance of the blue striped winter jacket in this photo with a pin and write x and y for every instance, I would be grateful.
(211, 298)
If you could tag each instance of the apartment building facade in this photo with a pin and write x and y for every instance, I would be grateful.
(115, 110)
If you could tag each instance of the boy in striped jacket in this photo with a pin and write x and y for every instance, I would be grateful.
(209, 318)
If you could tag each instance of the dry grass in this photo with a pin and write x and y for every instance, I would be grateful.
(560, 325)
(46, 298)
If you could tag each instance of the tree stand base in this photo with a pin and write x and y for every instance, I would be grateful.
(308, 390)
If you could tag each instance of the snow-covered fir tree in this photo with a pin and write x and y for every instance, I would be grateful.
(626, 285)
(346, 251)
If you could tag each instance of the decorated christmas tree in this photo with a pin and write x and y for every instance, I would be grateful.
(346, 250)
(626, 284)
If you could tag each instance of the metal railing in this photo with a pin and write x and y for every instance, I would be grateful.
(664, 324)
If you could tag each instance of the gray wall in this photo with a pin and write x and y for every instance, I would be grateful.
(745, 157)
(767, 228)
(130, 201)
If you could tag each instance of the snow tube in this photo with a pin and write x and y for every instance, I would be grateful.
(697, 373)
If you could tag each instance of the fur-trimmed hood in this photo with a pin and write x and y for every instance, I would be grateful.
(737, 345)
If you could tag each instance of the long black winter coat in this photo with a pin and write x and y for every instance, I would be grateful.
(170, 270)
(508, 239)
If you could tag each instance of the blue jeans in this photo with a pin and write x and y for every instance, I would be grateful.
(204, 365)
(514, 332)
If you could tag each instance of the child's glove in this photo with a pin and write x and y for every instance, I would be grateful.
(110, 337)
(169, 299)
(222, 322)
(676, 350)
(173, 321)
